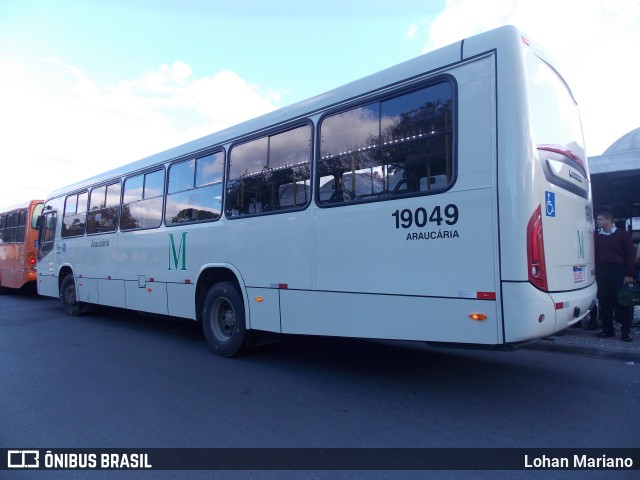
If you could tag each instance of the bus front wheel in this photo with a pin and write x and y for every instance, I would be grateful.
(70, 303)
(223, 320)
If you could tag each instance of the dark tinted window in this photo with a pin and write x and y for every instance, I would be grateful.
(10, 226)
(270, 174)
(142, 201)
(75, 215)
(47, 233)
(22, 226)
(398, 146)
(104, 209)
(353, 130)
(195, 190)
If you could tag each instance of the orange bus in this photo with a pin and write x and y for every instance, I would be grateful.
(18, 239)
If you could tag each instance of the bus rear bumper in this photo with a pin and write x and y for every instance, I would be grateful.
(532, 314)
(571, 307)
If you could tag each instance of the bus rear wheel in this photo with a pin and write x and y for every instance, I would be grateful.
(70, 303)
(223, 320)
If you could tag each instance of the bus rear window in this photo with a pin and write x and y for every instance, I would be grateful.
(554, 114)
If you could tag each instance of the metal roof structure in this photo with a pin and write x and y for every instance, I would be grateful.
(615, 177)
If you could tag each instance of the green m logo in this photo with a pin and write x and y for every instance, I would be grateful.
(580, 244)
(175, 256)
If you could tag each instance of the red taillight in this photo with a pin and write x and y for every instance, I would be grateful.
(535, 251)
(31, 260)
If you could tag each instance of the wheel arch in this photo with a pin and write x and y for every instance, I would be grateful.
(62, 274)
(212, 274)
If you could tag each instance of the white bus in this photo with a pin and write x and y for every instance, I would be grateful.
(445, 200)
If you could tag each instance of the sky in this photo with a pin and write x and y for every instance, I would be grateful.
(90, 85)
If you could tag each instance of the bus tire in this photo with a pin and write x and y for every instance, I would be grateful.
(223, 320)
(70, 303)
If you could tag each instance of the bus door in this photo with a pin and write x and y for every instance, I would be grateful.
(47, 280)
(9, 253)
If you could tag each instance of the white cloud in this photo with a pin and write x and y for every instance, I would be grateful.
(70, 127)
(412, 31)
(593, 41)
(63, 125)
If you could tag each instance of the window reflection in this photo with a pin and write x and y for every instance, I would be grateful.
(210, 169)
(405, 149)
(181, 176)
(351, 130)
(195, 190)
(104, 209)
(270, 174)
(75, 215)
(13, 227)
(142, 201)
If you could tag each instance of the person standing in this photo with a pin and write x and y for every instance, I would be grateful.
(615, 263)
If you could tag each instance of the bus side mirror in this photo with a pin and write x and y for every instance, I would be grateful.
(40, 222)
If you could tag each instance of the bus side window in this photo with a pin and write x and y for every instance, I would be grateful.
(398, 146)
(104, 208)
(292, 195)
(142, 201)
(10, 228)
(22, 226)
(75, 215)
(195, 190)
(270, 174)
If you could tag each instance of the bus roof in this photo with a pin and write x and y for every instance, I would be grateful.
(415, 68)
(19, 206)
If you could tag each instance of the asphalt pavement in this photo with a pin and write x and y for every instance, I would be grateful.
(582, 341)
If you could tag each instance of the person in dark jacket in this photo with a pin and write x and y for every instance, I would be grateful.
(615, 263)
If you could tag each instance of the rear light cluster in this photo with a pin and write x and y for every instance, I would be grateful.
(535, 251)
(31, 260)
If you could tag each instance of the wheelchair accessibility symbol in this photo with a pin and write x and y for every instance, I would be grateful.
(551, 203)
